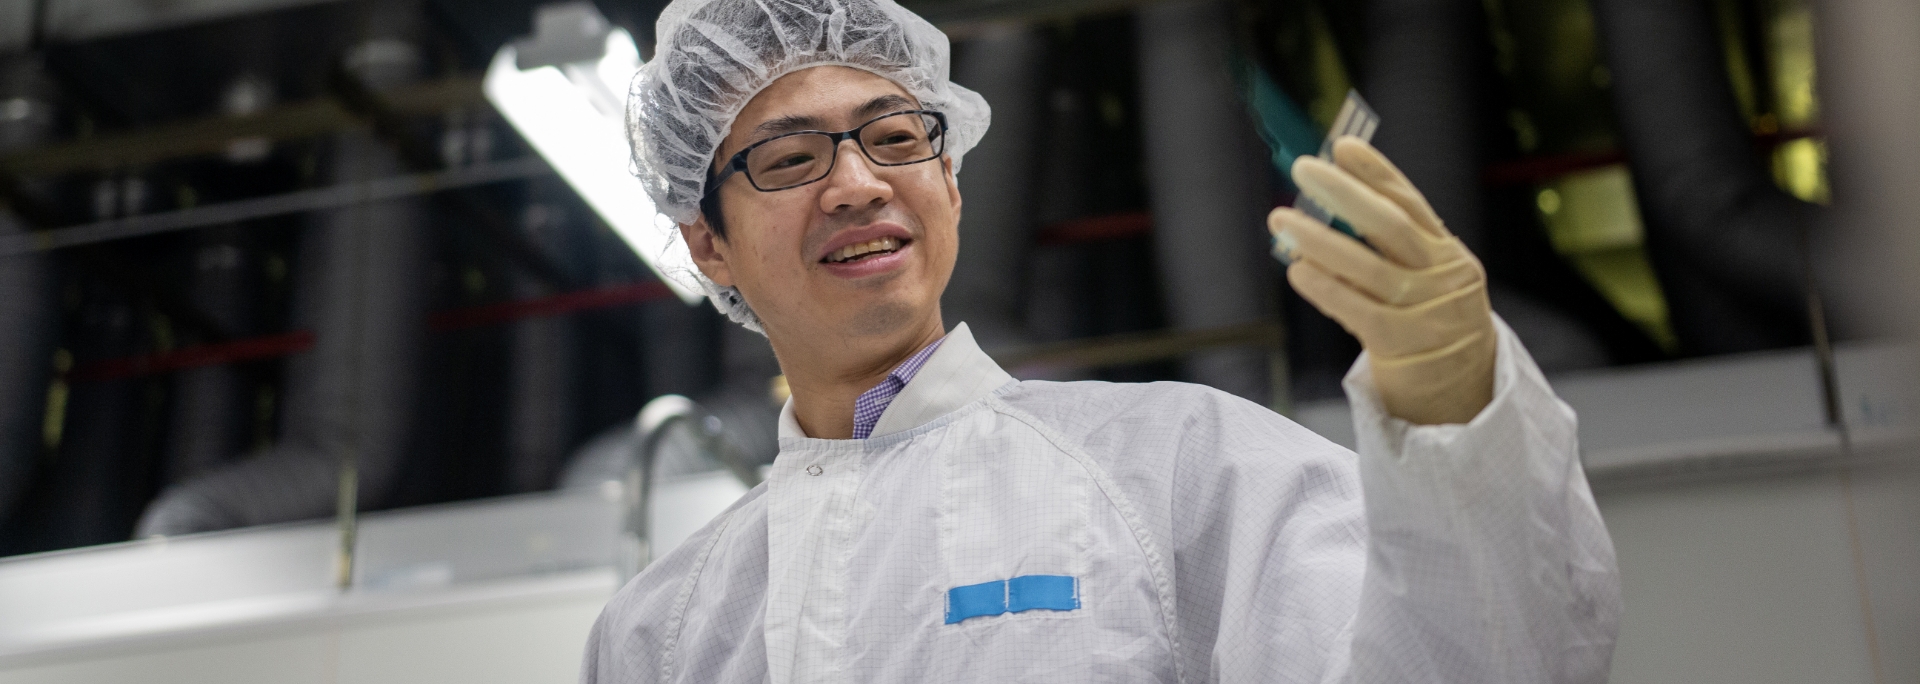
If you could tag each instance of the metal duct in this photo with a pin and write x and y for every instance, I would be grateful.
(103, 469)
(361, 286)
(1725, 242)
(77, 20)
(363, 291)
(1208, 187)
(211, 405)
(1867, 57)
(1006, 66)
(542, 397)
(1425, 61)
(97, 481)
(1422, 76)
(28, 311)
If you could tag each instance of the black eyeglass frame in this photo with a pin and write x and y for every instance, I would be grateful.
(738, 163)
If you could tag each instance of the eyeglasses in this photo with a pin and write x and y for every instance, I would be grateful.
(791, 160)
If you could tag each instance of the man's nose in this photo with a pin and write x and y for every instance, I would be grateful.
(852, 184)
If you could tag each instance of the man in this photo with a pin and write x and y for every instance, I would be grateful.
(929, 518)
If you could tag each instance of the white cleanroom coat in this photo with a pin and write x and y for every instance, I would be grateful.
(1160, 532)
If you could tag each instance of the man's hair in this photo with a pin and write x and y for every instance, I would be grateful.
(710, 208)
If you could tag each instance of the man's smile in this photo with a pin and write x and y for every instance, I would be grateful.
(869, 250)
(885, 245)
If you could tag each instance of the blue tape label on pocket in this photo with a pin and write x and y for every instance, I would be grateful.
(1042, 592)
(976, 600)
(1026, 592)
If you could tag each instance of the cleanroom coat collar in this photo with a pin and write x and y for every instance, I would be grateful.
(957, 374)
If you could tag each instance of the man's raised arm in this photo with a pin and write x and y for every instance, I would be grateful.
(1487, 560)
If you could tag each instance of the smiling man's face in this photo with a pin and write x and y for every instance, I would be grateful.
(858, 258)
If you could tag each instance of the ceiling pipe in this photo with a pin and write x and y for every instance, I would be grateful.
(29, 313)
(67, 21)
(1867, 58)
(1007, 67)
(1726, 243)
(1424, 68)
(1207, 184)
(349, 403)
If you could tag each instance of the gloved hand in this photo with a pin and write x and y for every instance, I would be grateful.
(1418, 304)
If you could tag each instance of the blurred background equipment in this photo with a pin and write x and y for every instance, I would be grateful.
(253, 250)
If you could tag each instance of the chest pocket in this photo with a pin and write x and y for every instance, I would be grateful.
(1013, 525)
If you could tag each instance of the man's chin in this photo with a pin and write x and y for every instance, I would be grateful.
(881, 319)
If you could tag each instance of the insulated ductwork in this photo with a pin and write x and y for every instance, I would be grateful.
(28, 311)
(1425, 60)
(542, 402)
(97, 481)
(1207, 183)
(1868, 97)
(361, 287)
(1422, 75)
(211, 405)
(102, 472)
(1724, 240)
(27, 322)
(1006, 66)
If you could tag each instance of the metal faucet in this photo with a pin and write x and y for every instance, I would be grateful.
(652, 426)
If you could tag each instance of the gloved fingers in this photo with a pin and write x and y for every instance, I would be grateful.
(1338, 254)
(1451, 276)
(1384, 224)
(1354, 311)
(1393, 331)
(1309, 239)
(1357, 157)
(1448, 317)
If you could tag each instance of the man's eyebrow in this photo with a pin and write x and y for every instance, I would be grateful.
(800, 122)
(786, 124)
(881, 105)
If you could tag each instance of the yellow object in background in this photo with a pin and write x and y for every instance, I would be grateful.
(1593, 219)
(1800, 168)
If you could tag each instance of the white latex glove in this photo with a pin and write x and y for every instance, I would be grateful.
(1418, 305)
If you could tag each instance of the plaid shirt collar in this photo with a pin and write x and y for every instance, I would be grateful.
(872, 403)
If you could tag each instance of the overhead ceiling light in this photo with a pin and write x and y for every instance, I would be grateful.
(563, 89)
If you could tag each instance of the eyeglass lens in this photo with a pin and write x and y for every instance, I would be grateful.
(801, 158)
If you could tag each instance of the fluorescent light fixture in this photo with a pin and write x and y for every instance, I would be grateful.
(571, 110)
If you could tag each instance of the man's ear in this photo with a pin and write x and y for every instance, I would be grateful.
(953, 182)
(709, 251)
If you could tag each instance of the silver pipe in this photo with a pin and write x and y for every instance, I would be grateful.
(541, 400)
(349, 403)
(210, 406)
(1422, 76)
(1207, 181)
(347, 194)
(1724, 239)
(29, 313)
(1867, 57)
(1006, 65)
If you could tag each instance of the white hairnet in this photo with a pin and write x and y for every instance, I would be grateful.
(712, 56)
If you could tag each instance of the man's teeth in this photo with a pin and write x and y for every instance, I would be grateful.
(885, 244)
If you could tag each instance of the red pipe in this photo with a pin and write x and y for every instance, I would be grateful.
(290, 343)
(235, 351)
